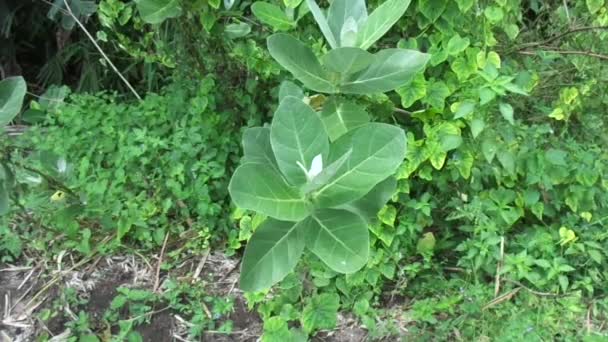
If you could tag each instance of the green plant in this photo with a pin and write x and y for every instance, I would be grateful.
(322, 178)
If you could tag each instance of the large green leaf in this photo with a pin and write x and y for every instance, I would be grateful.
(299, 59)
(380, 21)
(157, 11)
(12, 92)
(347, 60)
(272, 15)
(339, 238)
(289, 88)
(322, 22)
(257, 148)
(377, 151)
(297, 136)
(369, 205)
(272, 252)
(340, 116)
(340, 11)
(391, 69)
(260, 188)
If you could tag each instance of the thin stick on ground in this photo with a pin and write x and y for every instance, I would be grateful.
(499, 266)
(160, 262)
(86, 32)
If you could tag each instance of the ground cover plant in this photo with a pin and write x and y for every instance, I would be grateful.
(293, 170)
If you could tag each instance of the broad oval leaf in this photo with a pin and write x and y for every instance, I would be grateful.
(339, 13)
(391, 69)
(347, 60)
(272, 15)
(297, 136)
(12, 92)
(299, 59)
(260, 188)
(340, 116)
(339, 238)
(289, 88)
(257, 148)
(157, 11)
(272, 253)
(377, 151)
(380, 21)
(322, 22)
(369, 205)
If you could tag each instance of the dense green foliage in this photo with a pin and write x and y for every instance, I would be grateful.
(495, 227)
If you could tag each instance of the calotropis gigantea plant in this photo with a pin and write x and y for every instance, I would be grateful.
(321, 177)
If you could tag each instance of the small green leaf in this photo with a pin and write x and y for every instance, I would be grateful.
(377, 151)
(437, 92)
(237, 30)
(157, 11)
(556, 157)
(494, 14)
(12, 92)
(432, 9)
(507, 112)
(477, 126)
(299, 59)
(388, 215)
(272, 252)
(507, 160)
(391, 69)
(457, 45)
(272, 15)
(465, 5)
(347, 60)
(297, 136)
(260, 188)
(489, 149)
(426, 244)
(413, 91)
(462, 109)
(594, 5)
(321, 312)
(276, 330)
(380, 21)
(340, 116)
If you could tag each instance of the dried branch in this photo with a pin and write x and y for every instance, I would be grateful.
(566, 52)
(561, 35)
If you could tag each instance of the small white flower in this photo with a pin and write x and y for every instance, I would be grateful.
(62, 165)
(315, 168)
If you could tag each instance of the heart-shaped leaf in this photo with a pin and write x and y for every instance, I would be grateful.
(299, 59)
(157, 11)
(380, 21)
(347, 60)
(297, 136)
(12, 92)
(377, 151)
(272, 15)
(391, 69)
(339, 238)
(272, 252)
(340, 11)
(322, 22)
(260, 188)
(340, 116)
